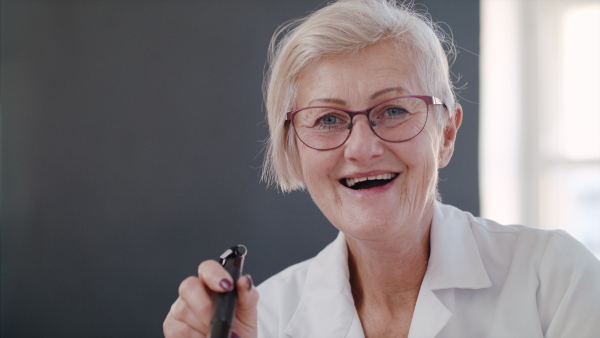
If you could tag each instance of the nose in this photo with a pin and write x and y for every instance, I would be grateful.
(362, 145)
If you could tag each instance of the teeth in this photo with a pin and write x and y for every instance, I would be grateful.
(352, 181)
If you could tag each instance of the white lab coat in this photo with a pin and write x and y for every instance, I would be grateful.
(483, 280)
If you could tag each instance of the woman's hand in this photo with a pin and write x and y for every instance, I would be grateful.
(191, 313)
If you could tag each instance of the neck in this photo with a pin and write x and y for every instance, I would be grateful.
(389, 272)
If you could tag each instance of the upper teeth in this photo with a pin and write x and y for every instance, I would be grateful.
(352, 181)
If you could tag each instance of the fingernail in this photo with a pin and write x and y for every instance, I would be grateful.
(250, 283)
(234, 335)
(226, 284)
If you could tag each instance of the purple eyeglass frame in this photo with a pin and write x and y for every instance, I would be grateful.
(429, 100)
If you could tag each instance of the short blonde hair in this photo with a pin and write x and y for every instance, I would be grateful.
(344, 26)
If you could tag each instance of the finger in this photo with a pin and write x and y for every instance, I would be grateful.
(181, 311)
(175, 328)
(194, 305)
(214, 275)
(245, 324)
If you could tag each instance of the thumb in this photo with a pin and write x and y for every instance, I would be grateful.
(245, 324)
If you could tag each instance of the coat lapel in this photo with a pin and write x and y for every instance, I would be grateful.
(326, 308)
(454, 262)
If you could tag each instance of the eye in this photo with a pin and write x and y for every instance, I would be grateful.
(391, 112)
(394, 111)
(329, 120)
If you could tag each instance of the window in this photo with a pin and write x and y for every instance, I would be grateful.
(540, 115)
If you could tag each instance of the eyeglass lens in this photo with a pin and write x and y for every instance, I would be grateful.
(395, 120)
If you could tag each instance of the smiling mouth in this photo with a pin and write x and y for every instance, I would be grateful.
(362, 183)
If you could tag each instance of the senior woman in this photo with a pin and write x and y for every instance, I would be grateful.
(362, 114)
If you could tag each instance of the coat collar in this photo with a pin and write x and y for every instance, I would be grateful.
(454, 262)
(327, 309)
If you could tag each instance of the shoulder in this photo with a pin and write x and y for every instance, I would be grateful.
(562, 273)
(520, 241)
(515, 251)
(537, 282)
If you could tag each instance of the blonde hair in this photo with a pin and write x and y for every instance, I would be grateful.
(344, 26)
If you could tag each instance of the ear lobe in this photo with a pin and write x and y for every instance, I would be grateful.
(449, 137)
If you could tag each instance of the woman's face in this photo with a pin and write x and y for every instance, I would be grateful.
(395, 207)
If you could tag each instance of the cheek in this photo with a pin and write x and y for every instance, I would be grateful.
(315, 165)
(423, 169)
(433, 146)
(316, 169)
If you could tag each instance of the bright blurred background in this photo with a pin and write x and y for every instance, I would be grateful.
(540, 115)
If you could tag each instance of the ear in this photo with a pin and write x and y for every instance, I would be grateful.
(449, 137)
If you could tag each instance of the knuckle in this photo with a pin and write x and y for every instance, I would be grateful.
(180, 321)
(187, 285)
(172, 328)
(167, 325)
(179, 309)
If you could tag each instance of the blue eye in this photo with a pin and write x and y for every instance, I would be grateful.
(329, 120)
(395, 111)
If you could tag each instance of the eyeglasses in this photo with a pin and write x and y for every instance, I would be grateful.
(395, 120)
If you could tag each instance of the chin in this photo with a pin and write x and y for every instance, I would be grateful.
(368, 224)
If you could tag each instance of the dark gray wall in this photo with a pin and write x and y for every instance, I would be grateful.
(131, 147)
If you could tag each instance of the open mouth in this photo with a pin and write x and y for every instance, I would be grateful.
(362, 183)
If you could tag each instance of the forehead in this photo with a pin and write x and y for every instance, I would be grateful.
(378, 71)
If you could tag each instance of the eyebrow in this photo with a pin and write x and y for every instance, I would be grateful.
(387, 90)
(328, 100)
(374, 96)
